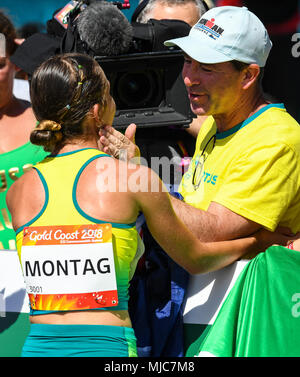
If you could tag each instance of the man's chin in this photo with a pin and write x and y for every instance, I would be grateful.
(200, 110)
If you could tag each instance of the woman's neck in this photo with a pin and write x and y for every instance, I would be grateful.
(75, 145)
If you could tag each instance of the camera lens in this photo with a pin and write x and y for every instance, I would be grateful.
(138, 89)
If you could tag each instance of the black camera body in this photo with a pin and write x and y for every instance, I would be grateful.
(148, 89)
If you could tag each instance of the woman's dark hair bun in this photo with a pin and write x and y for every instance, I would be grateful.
(47, 134)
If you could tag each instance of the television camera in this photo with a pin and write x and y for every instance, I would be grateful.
(145, 75)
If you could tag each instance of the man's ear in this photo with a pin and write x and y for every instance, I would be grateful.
(251, 74)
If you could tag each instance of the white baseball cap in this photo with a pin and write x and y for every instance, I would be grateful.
(226, 33)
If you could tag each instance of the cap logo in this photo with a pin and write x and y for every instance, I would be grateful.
(209, 27)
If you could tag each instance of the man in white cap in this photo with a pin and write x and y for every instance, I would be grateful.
(245, 170)
(245, 173)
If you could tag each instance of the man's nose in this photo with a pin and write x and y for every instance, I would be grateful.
(190, 75)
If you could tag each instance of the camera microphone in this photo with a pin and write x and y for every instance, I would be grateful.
(105, 29)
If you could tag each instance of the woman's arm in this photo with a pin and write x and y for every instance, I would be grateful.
(181, 245)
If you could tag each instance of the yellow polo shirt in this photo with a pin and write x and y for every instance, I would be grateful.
(253, 169)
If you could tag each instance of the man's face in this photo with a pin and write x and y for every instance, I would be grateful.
(213, 89)
(186, 12)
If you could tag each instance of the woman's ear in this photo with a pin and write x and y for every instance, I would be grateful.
(251, 74)
(98, 114)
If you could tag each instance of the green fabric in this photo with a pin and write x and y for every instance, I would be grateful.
(260, 316)
(193, 337)
(14, 328)
(13, 164)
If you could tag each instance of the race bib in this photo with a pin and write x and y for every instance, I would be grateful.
(69, 267)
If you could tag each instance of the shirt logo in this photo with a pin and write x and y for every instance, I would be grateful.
(209, 27)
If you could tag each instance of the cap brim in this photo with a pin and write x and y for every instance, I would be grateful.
(199, 51)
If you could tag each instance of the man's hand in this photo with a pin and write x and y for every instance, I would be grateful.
(118, 145)
(294, 239)
(265, 239)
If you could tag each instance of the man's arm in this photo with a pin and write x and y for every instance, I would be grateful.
(216, 224)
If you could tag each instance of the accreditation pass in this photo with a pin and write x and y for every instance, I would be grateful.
(69, 267)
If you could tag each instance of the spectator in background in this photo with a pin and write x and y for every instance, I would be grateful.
(188, 11)
(17, 154)
(282, 20)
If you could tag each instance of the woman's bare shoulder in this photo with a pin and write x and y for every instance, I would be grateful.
(28, 185)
